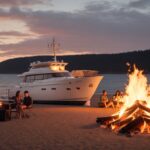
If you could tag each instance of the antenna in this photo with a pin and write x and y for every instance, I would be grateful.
(54, 46)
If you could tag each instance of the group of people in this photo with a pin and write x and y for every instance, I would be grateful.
(22, 103)
(114, 102)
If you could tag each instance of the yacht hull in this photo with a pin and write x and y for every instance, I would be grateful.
(63, 90)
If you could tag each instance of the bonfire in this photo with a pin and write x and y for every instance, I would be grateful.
(134, 115)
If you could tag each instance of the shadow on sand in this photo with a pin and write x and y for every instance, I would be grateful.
(90, 126)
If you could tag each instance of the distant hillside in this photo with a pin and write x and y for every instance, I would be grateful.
(105, 63)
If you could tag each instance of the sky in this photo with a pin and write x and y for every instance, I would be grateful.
(80, 26)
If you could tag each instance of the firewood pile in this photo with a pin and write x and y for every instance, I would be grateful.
(134, 120)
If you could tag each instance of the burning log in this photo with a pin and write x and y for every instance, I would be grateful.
(134, 115)
(123, 122)
(132, 125)
(129, 111)
(132, 120)
(147, 120)
(144, 108)
(105, 120)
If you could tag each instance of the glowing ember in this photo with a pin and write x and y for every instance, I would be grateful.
(134, 115)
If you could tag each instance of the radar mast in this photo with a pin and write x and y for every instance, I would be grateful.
(54, 46)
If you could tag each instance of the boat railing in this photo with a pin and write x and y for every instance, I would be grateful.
(6, 91)
(84, 73)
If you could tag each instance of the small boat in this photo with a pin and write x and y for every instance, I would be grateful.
(50, 82)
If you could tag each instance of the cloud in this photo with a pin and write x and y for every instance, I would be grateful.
(13, 13)
(95, 6)
(95, 30)
(102, 27)
(14, 33)
(140, 4)
(20, 2)
(36, 47)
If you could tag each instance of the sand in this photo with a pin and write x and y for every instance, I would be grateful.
(65, 128)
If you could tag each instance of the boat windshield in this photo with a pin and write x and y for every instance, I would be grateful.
(31, 78)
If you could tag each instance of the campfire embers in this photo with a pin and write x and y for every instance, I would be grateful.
(135, 119)
(134, 116)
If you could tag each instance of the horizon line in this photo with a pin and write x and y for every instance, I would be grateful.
(76, 54)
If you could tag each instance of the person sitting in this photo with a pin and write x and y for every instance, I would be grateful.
(19, 105)
(105, 101)
(27, 99)
(117, 99)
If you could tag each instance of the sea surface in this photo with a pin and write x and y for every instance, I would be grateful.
(110, 82)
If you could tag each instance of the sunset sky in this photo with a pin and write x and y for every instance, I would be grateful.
(80, 26)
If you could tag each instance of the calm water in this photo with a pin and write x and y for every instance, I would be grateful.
(110, 82)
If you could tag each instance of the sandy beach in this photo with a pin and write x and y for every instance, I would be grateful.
(65, 127)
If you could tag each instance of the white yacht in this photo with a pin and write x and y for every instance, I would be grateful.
(50, 82)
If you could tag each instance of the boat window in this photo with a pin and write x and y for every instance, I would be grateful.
(61, 74)
(47, 76)
(68, 89)
(30, 78)
(39, 77)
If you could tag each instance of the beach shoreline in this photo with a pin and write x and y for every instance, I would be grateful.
(65, 127)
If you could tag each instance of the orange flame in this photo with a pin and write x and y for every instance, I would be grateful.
(137, 89)
(134, 115)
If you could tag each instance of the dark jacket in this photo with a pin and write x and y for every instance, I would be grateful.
(27, 101)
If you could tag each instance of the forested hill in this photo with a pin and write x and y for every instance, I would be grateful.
(105, 63)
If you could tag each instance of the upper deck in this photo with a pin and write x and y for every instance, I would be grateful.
(52, 65)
